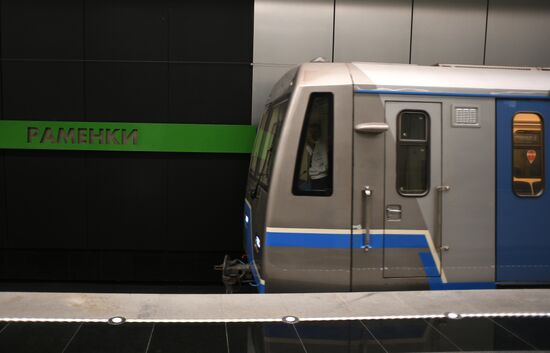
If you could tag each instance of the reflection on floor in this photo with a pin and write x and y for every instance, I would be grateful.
(354, 336)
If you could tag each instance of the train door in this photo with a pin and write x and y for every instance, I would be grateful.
(412, 210)
(428, 212)
(523, 201)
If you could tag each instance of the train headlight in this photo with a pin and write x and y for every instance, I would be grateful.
(258, 242)
(246, 219)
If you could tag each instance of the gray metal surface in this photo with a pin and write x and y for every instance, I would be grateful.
(292, 32)
(448, 31)
(518, 33)
(264, 76)
(372, 30)
(416, 78)
(368, 169)
(286, 210)
(469, 206)
(270, 307)
(304, 270)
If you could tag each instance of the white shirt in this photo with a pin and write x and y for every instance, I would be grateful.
(319, 161)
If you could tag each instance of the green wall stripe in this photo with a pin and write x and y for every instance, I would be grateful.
(131, 137)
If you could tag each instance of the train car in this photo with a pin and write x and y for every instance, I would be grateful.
(370, 176)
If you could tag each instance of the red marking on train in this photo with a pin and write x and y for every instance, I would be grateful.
(531, 155)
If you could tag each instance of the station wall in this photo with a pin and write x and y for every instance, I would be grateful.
(426, 32)
(149, 217)
(110, 216)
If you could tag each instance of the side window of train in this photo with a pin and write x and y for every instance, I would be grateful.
(528, 155)
(313, 170)
(413, 153)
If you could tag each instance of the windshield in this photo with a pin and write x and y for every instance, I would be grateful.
(265, 145)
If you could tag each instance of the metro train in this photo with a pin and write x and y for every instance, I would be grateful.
(371, 176)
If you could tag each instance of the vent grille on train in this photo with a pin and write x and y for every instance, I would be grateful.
(465, 116)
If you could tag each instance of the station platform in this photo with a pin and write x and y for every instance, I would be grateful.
(435, 321)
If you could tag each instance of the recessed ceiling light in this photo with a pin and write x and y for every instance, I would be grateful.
(453, 316)
(117, 320)
(290, 319)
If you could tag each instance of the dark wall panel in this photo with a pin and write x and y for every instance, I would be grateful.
(126, 201)
(182, 267)
(46, 196)
(210, 93)
(42, 90)
(36, 265)
(205, 201)
(129, 92)
(104, 216)
(214, 31)
(34, 29)
(84, 266)
(3, 218)
(126, 30)
(195, 267)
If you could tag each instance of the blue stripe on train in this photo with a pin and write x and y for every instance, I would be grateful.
(434, 279)
(342, 241)
(376, 241)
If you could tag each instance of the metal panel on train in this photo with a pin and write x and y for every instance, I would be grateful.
(523, 204)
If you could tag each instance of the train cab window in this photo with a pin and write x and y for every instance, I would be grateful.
(413, 161)
(528, 155)
(313, 170)
(258, 142)
(270, 141)
(265, 144)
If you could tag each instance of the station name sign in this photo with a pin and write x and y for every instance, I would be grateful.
(79, 136)
(131, 137)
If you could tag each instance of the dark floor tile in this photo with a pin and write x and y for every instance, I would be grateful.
(408, 336)
(478, 335)
(188, 338)
(240, 336)
(27, 337)
(263, 337)
(337, 337)
(106, 338)
(534, 330)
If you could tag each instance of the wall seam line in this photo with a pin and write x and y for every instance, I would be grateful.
(486, 29)
(411, 34)
(333, 27)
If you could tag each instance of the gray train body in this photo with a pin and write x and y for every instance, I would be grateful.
(419, 180)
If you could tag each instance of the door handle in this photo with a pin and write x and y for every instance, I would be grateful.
(367, 193)
(393, 212)
(440, 190)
